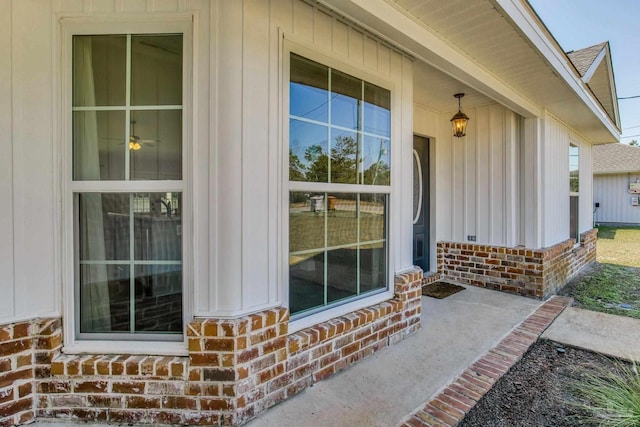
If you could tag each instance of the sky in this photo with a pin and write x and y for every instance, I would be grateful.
(577, 24)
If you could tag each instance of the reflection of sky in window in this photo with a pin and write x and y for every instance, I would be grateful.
(344, 111)
(303, 135)
(574, 158)
(309, 102)
(377, 120)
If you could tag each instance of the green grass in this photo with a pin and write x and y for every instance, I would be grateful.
(615, 280)
(619, 245)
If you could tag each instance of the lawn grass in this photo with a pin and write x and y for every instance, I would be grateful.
(619, 245)
(613, 284)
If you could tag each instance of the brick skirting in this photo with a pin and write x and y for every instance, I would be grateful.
(236, 368)
(536, 273)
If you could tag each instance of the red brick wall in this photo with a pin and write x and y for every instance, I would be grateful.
(537, 273)
(235, 369)
(26, 349)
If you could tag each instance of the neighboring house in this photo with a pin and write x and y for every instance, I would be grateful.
(211, 205)
(616, 184)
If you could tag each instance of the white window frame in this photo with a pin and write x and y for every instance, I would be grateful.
(290, 45)
(575, 193)
(108, 25)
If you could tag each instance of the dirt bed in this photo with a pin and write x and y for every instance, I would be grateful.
(536, 391)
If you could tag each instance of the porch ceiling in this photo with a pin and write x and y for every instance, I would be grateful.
(498, 47)
(479, 29)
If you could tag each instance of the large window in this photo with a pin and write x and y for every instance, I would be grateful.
(127, 185)
(574, 191)
(339, 182)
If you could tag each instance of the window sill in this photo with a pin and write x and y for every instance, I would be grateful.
(308, 321)
(147, 348)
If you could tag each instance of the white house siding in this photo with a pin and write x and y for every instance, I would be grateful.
(612, 192)
(474, 176)
(238, 172)
(555, 181)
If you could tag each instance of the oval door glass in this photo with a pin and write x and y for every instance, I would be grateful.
(417, 187)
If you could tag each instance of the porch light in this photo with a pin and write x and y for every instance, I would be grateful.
(459, 120)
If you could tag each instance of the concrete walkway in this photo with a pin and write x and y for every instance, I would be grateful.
(384, 389)
(616, 336)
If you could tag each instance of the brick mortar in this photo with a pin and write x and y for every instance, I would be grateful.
(449, 405)
(537, 273)
(236, 368)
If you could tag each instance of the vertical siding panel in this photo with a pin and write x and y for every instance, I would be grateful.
(303, 21)
(483, 170)
(33, 158)
(586, 187)
(383, 59)
(72, 6)
(134, 5)
(356, 46)
(322, 27)
(556, 182)
(458, 181)
(612, 192)
(228, 156)
(255, 167)
(405, 135)
(471, 184)
(7, 284)
(512, 178)
(370, 53)
(166, 6)
(340, 37)
(497, 175)
(102, 6)
(282, 16)
(443, 184)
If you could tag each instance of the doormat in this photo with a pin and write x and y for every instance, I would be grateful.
(441, 289)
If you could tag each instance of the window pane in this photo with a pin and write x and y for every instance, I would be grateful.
(309, 89)
(377, 114)
(98, 145)
(574, 169)
(344, 152)
(156, 69)
(306, 221)
(104, 292)
(103, 226)
(342, 219)
(308, 148)
(373, 267)
(157, 226)
(158, 155)
(306, 281)
(346, 93)
(158, 301)
(342, 273)
(376, 161)
(99, 70)
(372, 217)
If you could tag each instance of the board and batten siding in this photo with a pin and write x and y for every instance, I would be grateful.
(237, 180)
(555, 181)
(474, 178)
(612, 192)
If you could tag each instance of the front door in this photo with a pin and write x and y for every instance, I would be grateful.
(421, 202)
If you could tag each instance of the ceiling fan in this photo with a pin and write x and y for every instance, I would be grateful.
(135, 142)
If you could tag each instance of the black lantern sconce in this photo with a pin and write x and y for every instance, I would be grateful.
(459, 120)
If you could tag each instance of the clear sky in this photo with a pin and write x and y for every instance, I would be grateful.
(577, 24)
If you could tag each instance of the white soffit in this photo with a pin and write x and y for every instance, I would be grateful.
(497, 47)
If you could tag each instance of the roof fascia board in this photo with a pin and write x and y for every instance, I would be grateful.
(594, 66)
(393, 25)
(520, 14)
(612, 85)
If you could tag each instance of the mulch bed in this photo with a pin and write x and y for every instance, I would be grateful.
(536, 391)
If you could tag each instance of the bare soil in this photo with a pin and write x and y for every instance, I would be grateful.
(537, 390)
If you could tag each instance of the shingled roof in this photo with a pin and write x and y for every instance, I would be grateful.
(583, 58)
(594, 66)
(615, 158)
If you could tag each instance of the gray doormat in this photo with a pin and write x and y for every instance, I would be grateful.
(441, 289)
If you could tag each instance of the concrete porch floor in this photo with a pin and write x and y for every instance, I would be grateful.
(385, 388)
